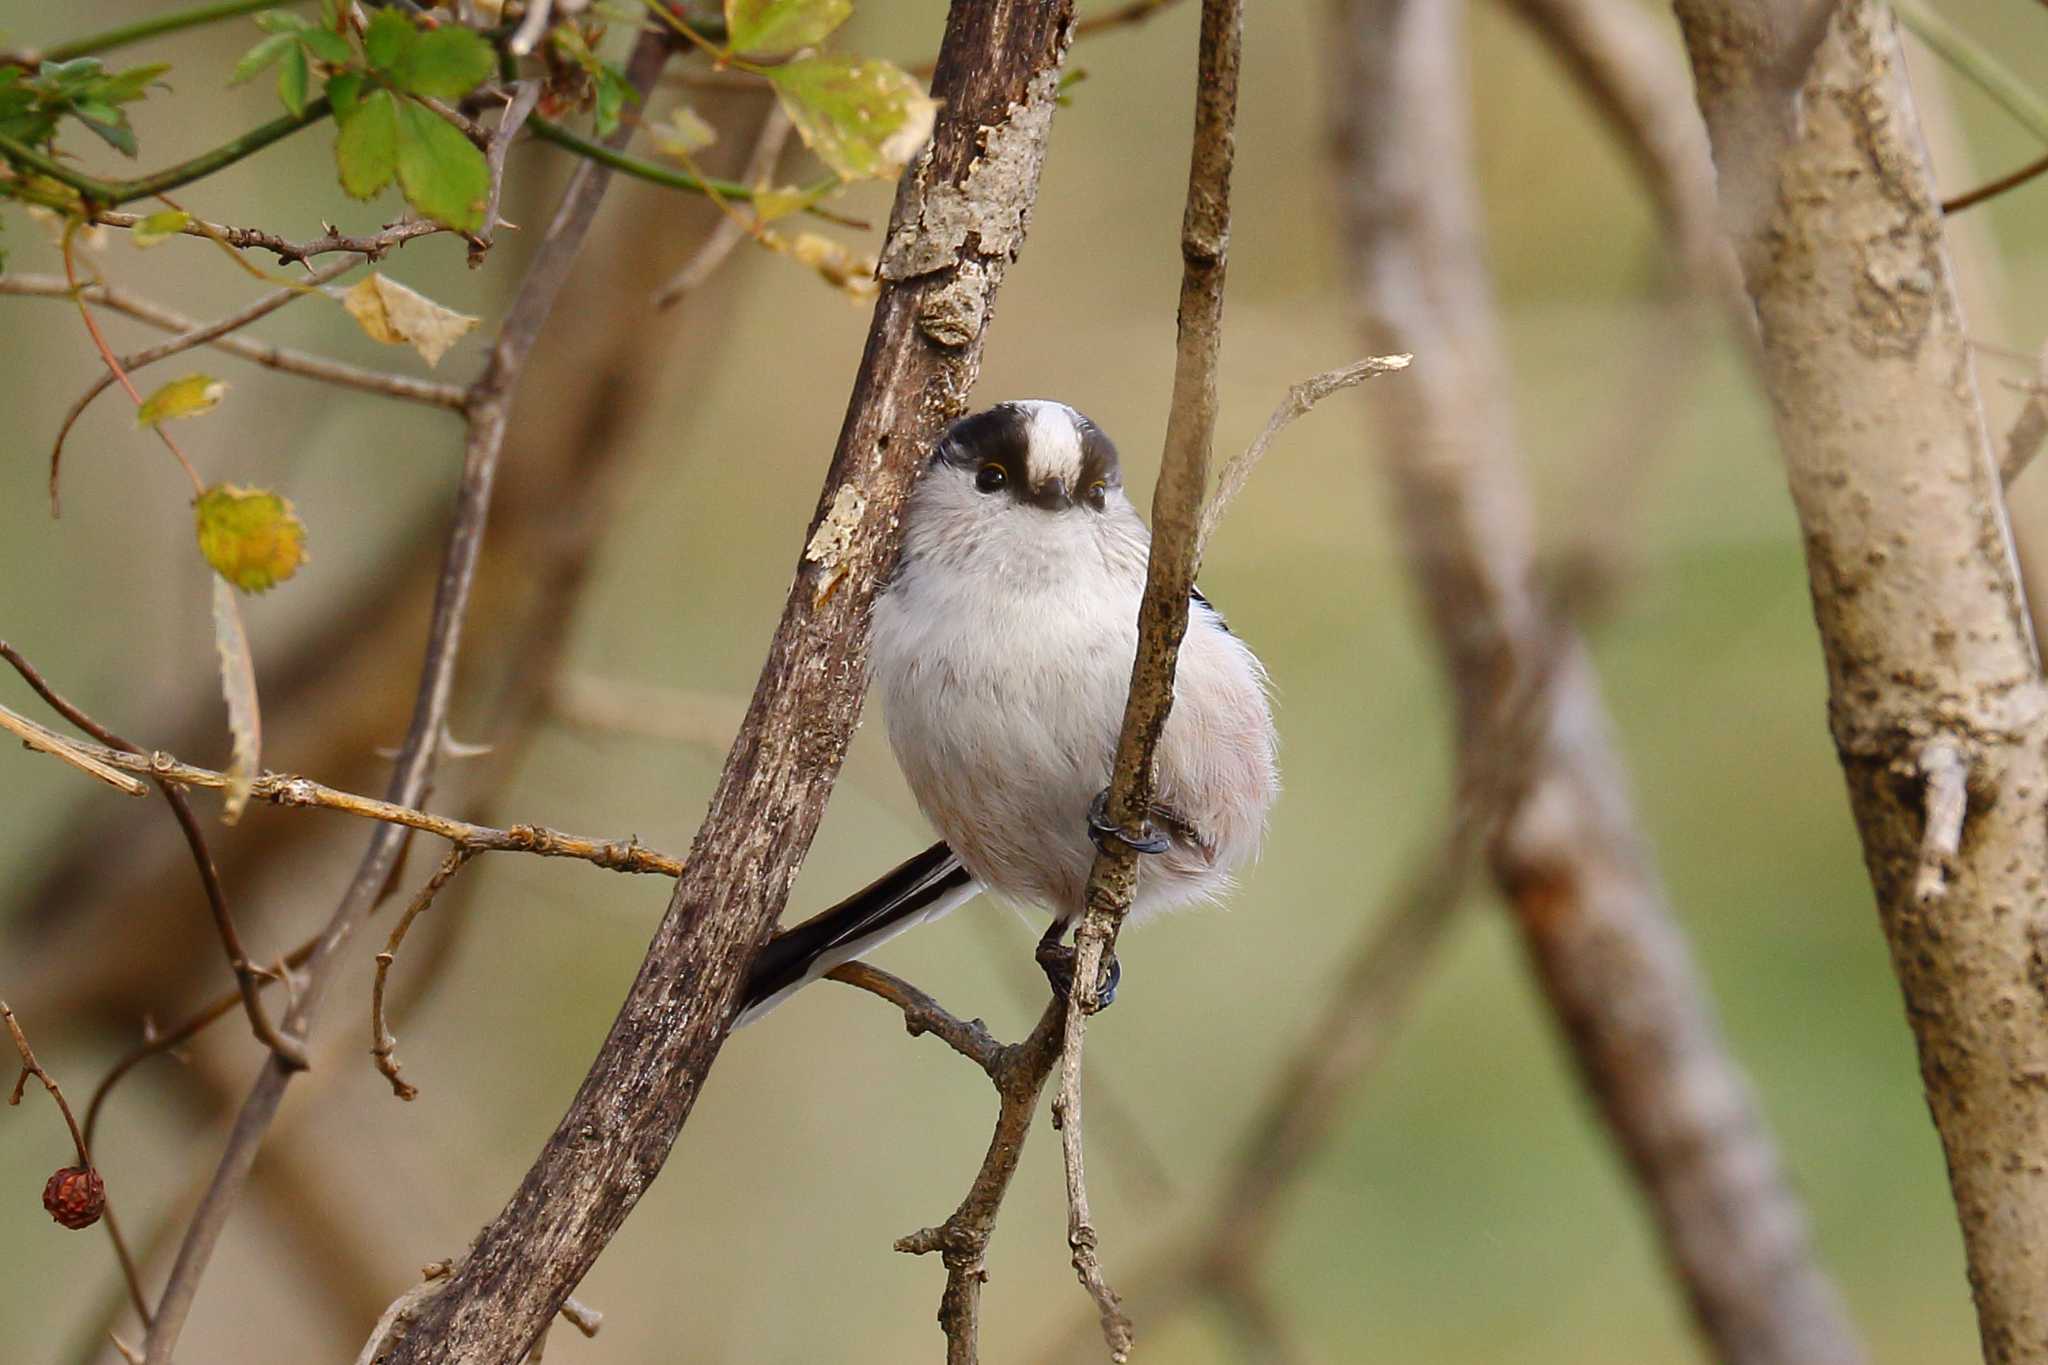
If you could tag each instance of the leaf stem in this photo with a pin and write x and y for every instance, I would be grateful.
(112, 193)
(550, 131)
(157, 26)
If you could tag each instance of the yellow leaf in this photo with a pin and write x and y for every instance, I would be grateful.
(685, 134)
(397, 316)
(840, 266)
(160, 227)
(187, 397)
(238, 686)
(770, 204)
(250, 536)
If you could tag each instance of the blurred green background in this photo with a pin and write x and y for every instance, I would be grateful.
(1469, 1208)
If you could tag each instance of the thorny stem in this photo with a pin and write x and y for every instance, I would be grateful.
(113, 193)
(286, 789)
(488, 413)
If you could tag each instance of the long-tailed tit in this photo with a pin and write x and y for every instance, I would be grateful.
(1002, 650)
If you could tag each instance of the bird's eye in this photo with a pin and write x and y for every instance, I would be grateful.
(1097, 495)
(990, 478)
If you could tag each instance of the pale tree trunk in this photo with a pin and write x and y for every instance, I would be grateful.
(1935, 694)
(1567, 855)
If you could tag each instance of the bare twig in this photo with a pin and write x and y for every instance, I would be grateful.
(198, 336)
(247, 976)
(1300, 398)
(488, 412)
(998, 80)
(381, 1041)
(1019, 1072)
(1969, 199)
(281, 358)
(286, 789)
(31, 1067)
(525, 95)
(1162, 616)
(922, 1014)
(48, 741)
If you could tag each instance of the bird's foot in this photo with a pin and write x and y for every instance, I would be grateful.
(1103, 830)
(1056, 960)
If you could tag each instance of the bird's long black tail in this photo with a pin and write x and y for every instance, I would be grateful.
(921, 889)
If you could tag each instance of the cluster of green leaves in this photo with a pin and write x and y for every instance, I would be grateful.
(385, 133)
(33, 102)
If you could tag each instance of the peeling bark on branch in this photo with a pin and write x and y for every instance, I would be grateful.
(1933, 670)
(1568, 857)
(998, 70)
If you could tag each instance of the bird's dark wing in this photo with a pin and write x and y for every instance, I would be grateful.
(1195, 594)
(923, 888)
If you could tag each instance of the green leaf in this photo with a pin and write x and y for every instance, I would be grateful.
(160, 226)
(447, 63)
(281, 21)
(260, 56)
(863, 117)
(775, 26)
(366, 148)
(328, 46)
(125, 87)
(344, 92)
(388, 39)
(613, 90)
(187, 397)
(292, 76)
(442, 173)
(250, 536)
(109, 124)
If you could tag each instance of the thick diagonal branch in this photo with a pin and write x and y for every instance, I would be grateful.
(1568, 857)
(958, 222)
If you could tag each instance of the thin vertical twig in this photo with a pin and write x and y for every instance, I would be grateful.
(1162, 616)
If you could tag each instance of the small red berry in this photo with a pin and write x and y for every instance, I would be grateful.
(76, 1196)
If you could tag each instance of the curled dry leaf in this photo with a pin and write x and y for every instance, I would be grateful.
(238, 686)
(251, 536)
(397, 316)
(845, 269)
(187, 397)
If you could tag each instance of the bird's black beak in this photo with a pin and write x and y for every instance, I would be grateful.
(1052, 495)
